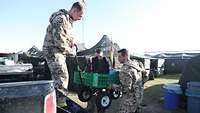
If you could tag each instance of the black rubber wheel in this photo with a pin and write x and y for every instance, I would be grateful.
(115, 94)
(85, 94)
(103, 100)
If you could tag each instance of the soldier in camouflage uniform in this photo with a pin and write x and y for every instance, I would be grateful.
(131, 79)
(59, 42)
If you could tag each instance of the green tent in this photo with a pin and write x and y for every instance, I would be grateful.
(191, 72)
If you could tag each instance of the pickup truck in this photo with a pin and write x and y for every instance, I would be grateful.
(19, 93)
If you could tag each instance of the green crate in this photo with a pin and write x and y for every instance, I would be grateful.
(88, 79)
(77, 79)
(101, 80)
(96, 80)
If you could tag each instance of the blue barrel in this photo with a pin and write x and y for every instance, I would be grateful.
(172, 96)
(193, 100)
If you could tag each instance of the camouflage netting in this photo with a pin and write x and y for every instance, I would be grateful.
(105, 44)
(191, 72)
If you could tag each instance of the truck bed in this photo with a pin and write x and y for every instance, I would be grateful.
(20, 92)
(24, 97)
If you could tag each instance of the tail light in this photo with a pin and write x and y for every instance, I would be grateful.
(50, 103)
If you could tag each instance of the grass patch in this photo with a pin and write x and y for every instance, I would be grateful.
(154, 88)
(154, 92)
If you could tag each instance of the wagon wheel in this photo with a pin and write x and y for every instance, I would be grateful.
(115, 94)
(103, 100)
(85, 94)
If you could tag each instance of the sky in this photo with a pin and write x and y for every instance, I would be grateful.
(139, 25)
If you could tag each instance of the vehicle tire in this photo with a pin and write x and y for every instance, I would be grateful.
(103, 100)
(115, 94)
(85, 94)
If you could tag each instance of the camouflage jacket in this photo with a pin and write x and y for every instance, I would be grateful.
(130, 76)
(58, 34)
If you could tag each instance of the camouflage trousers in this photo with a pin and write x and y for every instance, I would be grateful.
(131, 102)
(58, 68)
